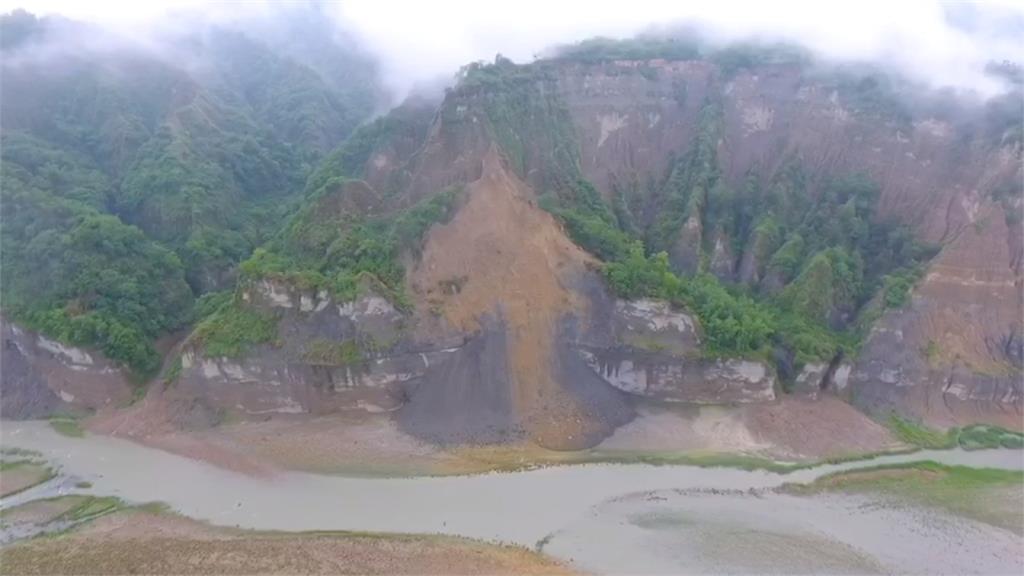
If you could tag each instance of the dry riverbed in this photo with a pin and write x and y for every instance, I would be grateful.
(918, 518)
(17, 475)
(373, 444)
(151, 541)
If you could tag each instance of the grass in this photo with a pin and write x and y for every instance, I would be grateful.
(988, 495)
(15, 452)
(920, 435)
(731, 460)
(67, 427)
(232, 330)
(173, 371)
(974, 437)
(526, 457)
(330, 353)
(984, 436)
(57, 503)
(92, 507)
(20, 475)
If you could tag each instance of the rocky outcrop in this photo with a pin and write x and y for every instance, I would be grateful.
(632, 116)
(954, 355)
(646, 349)
(685, 253)
(40, 377)
(755, 257)
(722, 263)
(328, 356)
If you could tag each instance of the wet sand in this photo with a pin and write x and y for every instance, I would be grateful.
(700, 532)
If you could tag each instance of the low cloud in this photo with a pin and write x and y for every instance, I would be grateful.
(941, 45)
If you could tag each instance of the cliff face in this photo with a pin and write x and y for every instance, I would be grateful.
(647, 349)
(42, 377)
(954, 355)
(511, 332)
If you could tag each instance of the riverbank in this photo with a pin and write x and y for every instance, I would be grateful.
(149, 541)
(995, 497)
(601, 517)
(789, 433)
(18, 474)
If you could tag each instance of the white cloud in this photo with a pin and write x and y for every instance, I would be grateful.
(419, 41)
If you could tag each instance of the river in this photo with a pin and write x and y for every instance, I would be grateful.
(590, 514)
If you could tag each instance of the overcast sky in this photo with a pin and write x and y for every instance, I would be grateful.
(941, 44)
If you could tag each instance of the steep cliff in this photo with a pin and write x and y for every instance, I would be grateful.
(42, 377)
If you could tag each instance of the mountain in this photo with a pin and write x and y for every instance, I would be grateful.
(650, 220)
(137, 177)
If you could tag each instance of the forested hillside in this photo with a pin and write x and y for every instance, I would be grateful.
(135, 178)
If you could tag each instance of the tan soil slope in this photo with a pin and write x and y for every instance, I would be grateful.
(503, 257)
(973, 296)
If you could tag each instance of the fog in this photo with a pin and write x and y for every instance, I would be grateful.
(941, 45)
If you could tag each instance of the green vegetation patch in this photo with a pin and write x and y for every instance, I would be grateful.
(232, 330)
(20, 475)
(920, 435)
(526, 117)
(340, 253)
(974, 437)
(332, 353)
(69, 427)
(92, 507)
(983, 436)
(829, 258)
(173, 371)
(985, 494)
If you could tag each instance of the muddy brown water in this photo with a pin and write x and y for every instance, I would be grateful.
(601, 517)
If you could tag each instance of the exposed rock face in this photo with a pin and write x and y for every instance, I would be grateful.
(722, 263)
(811, 379)
(303, 371)
(630, 120)
(647, 349)
(685, 252)
(41, 377)
(954, 355)
(468, 398)
(755, 256)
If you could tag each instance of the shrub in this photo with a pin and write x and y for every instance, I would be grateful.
(233, 329)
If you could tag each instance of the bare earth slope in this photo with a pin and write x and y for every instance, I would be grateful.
(503, 268)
